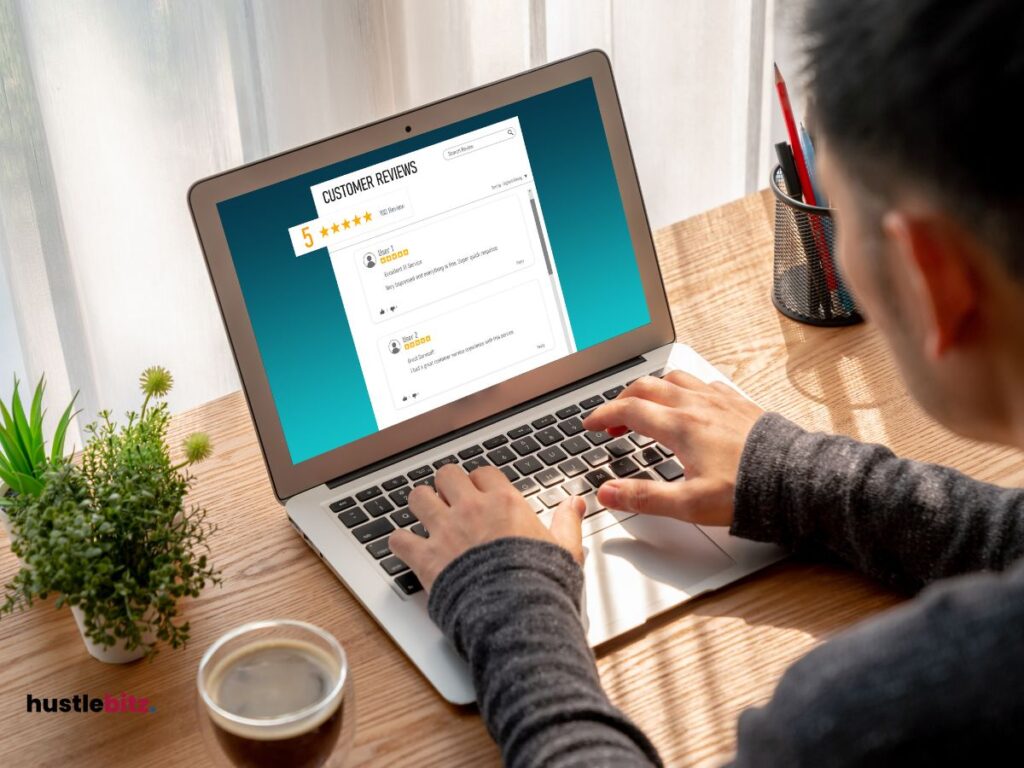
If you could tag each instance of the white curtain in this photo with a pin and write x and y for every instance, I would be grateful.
(110, 110)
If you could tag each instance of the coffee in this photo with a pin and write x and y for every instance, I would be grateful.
(280, 701)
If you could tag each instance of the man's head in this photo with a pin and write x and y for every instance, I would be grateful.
(923, 158)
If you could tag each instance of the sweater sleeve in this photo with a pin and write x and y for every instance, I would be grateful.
(903, 522)
(511, 608)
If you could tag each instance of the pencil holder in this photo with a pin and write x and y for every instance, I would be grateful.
(807, 285)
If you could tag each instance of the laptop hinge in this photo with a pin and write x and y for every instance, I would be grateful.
(426, 446)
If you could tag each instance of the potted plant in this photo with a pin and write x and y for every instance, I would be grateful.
(111, 534)
(23, 455)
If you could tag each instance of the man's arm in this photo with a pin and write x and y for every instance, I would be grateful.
(511, 608)
(900, 521)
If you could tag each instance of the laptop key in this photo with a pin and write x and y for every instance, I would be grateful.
(593, 505)
(598, 477)
(430, 480)
(393, 565)
(549, 436)
(571, 426)
(552, 496)
(495, 441)
(586, 413)
(572, 467)
(611, 394)
(394, 482)
(403, 517)
(543, 421)
(596, 457)
(666, 451)
(640, 440)
(526, 485)
(620, 447)
(552, 455)
(624, 467)
(569, 410)
(377, 507)
(373, 530)
(522, 429)
(643, 475)
(368, 493)
(350, 518)
(591, 402)
(548, 477)
(575, 445)
(470, 452)
(670, 470)
(423, 471)
(408, 583)
(446, 460)
(597, 438)
(576, 486)
(500, 456)
(342, 504)
(379, 548)
(525, 445)
(536, 504)
(419, 530)
(401, 496)
(649, 456)
(510, 474)
(528, 466)
(475, 463)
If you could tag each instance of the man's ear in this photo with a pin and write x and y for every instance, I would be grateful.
(935, 258)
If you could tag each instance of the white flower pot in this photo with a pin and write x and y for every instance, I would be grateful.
(110, 654)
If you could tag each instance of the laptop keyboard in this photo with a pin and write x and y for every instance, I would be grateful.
(546, 459)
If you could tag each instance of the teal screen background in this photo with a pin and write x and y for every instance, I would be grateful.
(295, 307)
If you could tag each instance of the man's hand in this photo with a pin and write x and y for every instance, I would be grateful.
(475, 508)
(706, 426)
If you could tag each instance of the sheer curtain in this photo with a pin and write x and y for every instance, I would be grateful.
(110, 110)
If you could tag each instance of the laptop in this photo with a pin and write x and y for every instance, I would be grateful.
(459, 284)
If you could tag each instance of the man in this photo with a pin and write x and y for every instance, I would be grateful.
(926, 171)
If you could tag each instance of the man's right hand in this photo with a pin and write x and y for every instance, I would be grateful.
(705, 424)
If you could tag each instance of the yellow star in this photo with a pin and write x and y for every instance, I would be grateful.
(355, 220)
(335, 228)
(345, 223)
(323, 232)
(366, 216)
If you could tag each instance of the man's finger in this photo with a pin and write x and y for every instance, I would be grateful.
(567, 523)
(688, 500)
(409, 548)
(489, 479)
(685, 380)
(656, 390)
(453, 484)
(643, 416)
(427, 505)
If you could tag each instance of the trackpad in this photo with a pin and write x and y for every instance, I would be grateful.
(642, 566)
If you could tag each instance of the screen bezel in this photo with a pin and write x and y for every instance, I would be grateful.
(288, 478)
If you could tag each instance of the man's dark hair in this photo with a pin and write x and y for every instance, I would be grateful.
(927, 92)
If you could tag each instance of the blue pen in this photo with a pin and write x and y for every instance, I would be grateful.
(808, 147)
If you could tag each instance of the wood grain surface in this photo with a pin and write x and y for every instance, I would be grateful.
(684, 677)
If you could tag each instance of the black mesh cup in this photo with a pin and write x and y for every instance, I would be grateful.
(806, 285)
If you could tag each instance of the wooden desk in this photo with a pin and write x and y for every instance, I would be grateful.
(684, 677)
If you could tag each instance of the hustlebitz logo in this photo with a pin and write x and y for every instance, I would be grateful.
(123, 703)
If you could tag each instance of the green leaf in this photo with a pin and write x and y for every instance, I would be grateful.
(22, 430)
(36, 423)
(23, 483)
(12, 447)
(57, 448)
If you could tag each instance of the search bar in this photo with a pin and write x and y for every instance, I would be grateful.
(487, 140)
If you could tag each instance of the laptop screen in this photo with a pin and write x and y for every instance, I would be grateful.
(392, 283)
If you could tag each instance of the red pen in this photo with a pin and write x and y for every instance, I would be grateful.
(805, 178)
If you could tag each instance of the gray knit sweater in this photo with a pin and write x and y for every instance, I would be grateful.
(938, 680)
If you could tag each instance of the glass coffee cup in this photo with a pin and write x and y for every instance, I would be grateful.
(276, 693)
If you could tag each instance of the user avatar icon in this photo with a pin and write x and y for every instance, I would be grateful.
(368, 261)
(394, 346)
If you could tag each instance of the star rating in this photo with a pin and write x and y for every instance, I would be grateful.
(346, 223)
(335, 228)
(355, 220)
(366, 216)
(323, 232)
